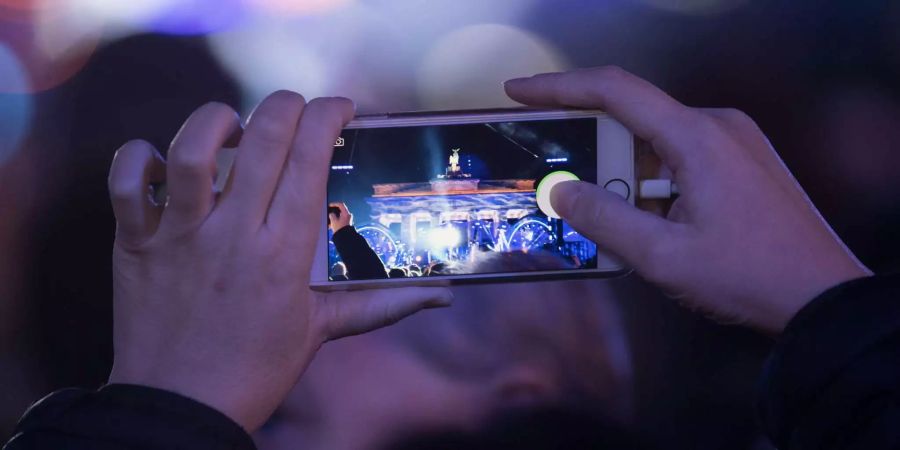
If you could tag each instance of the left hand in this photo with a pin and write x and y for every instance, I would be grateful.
(211, 292)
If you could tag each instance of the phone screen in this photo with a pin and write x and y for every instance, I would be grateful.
(455, 200)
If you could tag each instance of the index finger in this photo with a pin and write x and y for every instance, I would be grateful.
(301, 189)
(642, 107)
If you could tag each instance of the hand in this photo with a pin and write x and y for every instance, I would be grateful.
(338, 221)
(742, 241)
(211, 293)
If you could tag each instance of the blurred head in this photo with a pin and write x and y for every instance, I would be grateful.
(339, 269)
(397, 272)
(499, 348)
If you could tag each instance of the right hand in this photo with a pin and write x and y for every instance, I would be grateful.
(742, 242)
(338, 221)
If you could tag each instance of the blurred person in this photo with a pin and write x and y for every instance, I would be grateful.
(210, 339)
(397, 272)
(436, 268)
(501, 348)
(362, 262)
(339, 271)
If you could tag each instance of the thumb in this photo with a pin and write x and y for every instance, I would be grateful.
(609, 220)
(356, 312)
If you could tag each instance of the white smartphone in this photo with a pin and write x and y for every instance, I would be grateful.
(461, 197)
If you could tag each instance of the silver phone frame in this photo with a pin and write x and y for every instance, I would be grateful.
(615, 161)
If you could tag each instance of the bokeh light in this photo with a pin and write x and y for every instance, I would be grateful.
(185, 17)
(15, 108)
(271, 57)
(466, 68)
(19, 10)
(351, 52)
(197, 16)
(49, 46)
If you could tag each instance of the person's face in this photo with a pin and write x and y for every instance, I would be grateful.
(438, 370)
(362, 392)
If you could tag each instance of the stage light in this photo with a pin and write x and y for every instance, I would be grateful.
(557, 160)
(464, 70)
(444, 237)
(344, 167)
(15, 108)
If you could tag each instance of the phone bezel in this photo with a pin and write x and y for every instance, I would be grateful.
(615, 161)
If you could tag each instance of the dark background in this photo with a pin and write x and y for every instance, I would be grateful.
(820, 78)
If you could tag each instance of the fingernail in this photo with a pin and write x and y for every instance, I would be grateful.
(513, 81)
(442, 301)
(563, 195)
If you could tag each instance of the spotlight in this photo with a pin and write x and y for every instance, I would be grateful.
(444, 237)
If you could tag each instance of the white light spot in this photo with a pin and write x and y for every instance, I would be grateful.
(466, 68)
(546, 185)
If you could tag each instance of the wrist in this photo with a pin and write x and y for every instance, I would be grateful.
(810, 286)
(206, 392)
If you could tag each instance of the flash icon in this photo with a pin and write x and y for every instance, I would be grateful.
(339, 142)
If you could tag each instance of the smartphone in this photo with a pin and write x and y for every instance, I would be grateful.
(461, 197)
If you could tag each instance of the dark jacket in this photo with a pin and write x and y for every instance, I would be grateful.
(361, 261)
(832, 382)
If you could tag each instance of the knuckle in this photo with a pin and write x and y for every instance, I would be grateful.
(188, 161)
(125, 188)
(270, 132)
(734, 117)
(126, 175)
(135, 147)
(218, 109)
(611, 72)
(709, 132)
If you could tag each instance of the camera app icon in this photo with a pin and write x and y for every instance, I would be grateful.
(339, 142)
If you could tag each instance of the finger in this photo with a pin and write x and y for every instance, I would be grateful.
(135, 165)
(642, 107)
(356, 312)
(191, 165)
(261, 154)
(301, 191)
(756, 144)
(333, 217)
(611, 222)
